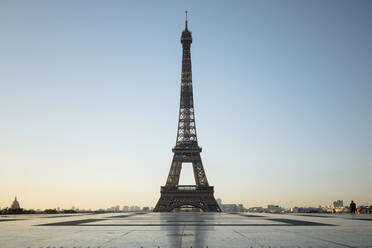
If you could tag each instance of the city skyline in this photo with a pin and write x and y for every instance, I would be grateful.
(89, 98)
(336, 204)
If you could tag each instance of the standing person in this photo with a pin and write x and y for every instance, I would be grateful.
(352, 207)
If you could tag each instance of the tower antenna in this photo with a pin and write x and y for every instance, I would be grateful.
(186, 19)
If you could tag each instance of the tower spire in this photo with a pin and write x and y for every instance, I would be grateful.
(186, 20)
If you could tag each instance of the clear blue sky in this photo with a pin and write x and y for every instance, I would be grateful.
(89, 94)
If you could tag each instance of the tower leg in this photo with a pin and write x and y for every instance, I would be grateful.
(174, 172)
(199, 173)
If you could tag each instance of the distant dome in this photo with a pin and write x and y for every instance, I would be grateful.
(15, 204)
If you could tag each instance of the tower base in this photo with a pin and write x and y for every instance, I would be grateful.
(187, 195)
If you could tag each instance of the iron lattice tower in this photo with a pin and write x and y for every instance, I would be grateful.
(187, 149)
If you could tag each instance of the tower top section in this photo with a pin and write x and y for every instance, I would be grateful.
(186, 37)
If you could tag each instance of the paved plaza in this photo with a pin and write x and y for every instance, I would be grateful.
(184, 230)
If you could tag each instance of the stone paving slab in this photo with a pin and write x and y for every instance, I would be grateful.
(184, 230)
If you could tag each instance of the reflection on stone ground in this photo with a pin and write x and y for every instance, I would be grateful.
(185, 230)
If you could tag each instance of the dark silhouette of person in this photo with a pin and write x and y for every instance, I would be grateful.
(352, 207)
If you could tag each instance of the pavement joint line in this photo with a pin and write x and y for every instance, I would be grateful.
(124, 216)
(5, 220)
(187, 224)
(299, 222)
(71, 223)
(120, 236)
(241, 234)
(249, 215)
(180, 239)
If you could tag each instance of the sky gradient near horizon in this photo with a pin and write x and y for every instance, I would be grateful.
(89, 98)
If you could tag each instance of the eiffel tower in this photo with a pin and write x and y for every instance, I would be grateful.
(186, 150)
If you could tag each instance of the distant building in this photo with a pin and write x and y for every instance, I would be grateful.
(146, 209)
(15, 204)
(307, 210)
(229, 208)
(125, 208)
(364, 210)
(256, 209)
(232, 208)
(338, 204)
(134, 208)
(113, 209)
(274, 209)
